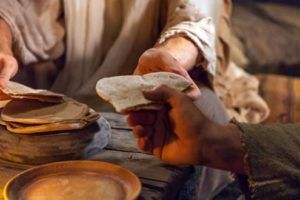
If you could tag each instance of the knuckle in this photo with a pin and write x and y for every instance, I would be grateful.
(162, 87)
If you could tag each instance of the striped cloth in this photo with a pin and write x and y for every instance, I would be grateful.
(282, 95)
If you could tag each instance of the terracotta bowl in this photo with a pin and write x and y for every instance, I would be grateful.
(74, 180)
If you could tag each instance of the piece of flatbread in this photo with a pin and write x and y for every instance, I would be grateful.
(28, 111)
(18, 91)
(125, 92)
(43, 128)
(20, 128)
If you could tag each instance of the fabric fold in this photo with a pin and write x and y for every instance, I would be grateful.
(36, 29)
(272, 167)
(238, 91)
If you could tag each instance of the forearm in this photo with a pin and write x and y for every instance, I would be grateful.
(5, 38)
(183, 50)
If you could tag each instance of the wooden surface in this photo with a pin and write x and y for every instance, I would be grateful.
(159, 180)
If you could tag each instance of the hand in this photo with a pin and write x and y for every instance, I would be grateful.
(180, 134)
(175, 135)
(160, 59)
(8, 68)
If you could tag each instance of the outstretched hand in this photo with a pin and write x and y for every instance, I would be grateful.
(159, 59)
(174, 134)
(181, 134)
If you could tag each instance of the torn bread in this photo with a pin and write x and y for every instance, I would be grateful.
(125, 92)
(28, 111)
(18, 91)
(20, 128)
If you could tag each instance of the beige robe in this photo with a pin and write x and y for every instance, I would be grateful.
(103, 38)
(106, 38)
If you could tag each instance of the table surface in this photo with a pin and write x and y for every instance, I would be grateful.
(159, 180)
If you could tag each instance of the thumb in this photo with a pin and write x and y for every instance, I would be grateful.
(161, 93)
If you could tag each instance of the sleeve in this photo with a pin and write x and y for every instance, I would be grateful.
(37, 32)
(184, 18)
(272, 161)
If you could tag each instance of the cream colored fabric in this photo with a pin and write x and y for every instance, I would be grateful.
(106, 38)
(37, 33)
(238, 91)
(118, 51)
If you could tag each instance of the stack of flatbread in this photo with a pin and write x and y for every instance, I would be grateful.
(125, 93)
(27, 111)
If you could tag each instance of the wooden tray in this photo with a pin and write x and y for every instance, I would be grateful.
(48, 147)
(74, 180)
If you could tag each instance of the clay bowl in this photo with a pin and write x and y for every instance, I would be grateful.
(74, 180)
(47, 147)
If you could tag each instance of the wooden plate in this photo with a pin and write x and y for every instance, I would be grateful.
(74, 180)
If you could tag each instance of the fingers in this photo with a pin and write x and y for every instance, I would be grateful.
(145, 144)
(194, 92)
(161, 130)
(143, 131)
(143, 128)
(164, 94)
(157, 60)
(141, 118)
(151, 67)
(8, 69)
(144, 137)
(151, 138)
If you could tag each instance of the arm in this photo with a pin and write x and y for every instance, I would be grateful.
(187, 40)
(182, 134)
(8, 64)
(185, 19)
(267, 155)
(183, 50)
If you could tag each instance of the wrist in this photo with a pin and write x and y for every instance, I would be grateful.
(223, 148)
(6, 51)
(182, 49)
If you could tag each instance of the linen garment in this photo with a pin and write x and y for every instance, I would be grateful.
(103, 38)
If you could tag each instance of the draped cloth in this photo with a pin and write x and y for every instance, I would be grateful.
(106, 37)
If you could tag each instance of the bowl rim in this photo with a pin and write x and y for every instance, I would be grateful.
(132, 196)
